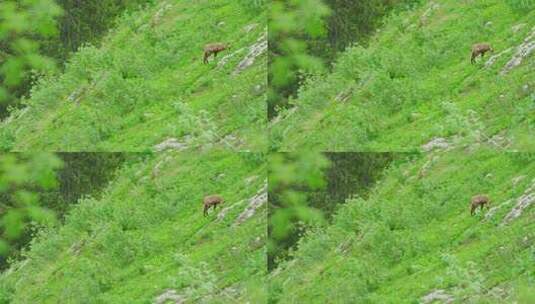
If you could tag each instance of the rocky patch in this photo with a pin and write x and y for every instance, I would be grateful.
(255, 202)
(437, 295)
(171, 144)
(439, 143)
(522, 52)
(255, 51)
(169, 295)
(522, 204)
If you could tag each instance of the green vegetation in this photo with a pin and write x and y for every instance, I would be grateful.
(34, 34)
(38, 188)
(85, 22)
(413, 82)
(23, 178)
(413, 234)
(306, 35)
(24, 25)
(306, 188)
(145, 236)
(146, 84)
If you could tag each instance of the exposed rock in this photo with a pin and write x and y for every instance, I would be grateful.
(436, 143)
(251, 179)
(517, 179)
(77, 247)
(494, 58)
(437, 295)
(231, 292)
(522, 203)
(426, 166)
(492, 211)
(500, 141)
(522, 51)
(169, 295)
(515, 28)
(428, 12)
(232, 141)
(283, 115)
(16, 114)
(157, 167)
(344, 95)
(250, 27)
(257, 243)
(159, 14)
(75, 96)
(255, 51)
(226, 58)
(345, 246)
(258, 90)
(221, 215)
(255, 202)
(170, 143)
(499, 293)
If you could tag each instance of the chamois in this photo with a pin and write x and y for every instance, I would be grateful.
(213, 48)
(211, 200)
(479, 201)
(480, 49)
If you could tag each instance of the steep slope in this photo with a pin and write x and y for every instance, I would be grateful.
(146, 239)
(413, 240)
(147, 85)
(414, 83)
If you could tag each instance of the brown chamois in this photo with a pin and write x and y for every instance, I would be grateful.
(479, 201)
(480, 49)
(214, 48)
(211, 200)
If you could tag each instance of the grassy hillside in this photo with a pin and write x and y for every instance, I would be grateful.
(147, 239)
(147, 84)
(414, 83)
(414, 236)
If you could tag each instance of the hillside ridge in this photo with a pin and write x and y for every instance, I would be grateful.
(414, 83)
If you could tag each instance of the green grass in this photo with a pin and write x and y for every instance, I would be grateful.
(147, 233)
(414, 82)
(147, 83)
(414, 234)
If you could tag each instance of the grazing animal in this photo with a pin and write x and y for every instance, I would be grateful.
(214, 48)
(480, 49)
(479, 201)
(212, 200)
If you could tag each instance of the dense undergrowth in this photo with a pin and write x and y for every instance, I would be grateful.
(146, 236)
(414, 82)
(414, 236)
(146, 84)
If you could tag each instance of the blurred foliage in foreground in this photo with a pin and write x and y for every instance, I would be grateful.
(146, 236)
(306, 36)
(54, 182)
(291, 175)
(306, 189)
(37, 35)
(22, 176)
(413, 235)
(22, 25)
